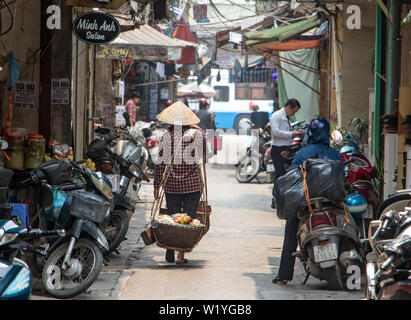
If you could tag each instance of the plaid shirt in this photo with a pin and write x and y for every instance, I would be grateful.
(131, 110)
(184, 174)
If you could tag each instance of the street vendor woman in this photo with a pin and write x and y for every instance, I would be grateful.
(181, 147)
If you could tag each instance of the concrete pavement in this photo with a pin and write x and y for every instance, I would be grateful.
(236, 260)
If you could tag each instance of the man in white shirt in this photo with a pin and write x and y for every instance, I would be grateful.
(282, 134)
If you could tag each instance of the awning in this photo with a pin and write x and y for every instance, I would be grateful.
(193, 90)
(295, 44)
(182, 31)
(144, 43)
(273, 36)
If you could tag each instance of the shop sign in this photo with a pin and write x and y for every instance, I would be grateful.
(60, 91)
(25, 95)
(96, 27)
(132, 52)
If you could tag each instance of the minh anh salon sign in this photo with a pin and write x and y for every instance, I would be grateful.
(96, 27)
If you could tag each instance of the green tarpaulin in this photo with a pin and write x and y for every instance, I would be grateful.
(267, 37)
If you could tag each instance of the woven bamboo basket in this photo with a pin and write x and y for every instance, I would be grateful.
(177, 236)
(203, 214)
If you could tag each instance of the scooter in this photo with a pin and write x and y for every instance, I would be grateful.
(389, 274)
(359, 175)
(15, 274)
(258, 155)
(72, 263)
(328, 237)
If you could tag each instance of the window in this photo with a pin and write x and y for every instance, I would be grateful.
(254, 91)
(222, 93)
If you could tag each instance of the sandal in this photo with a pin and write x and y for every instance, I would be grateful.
(277, 280)
(182, 261)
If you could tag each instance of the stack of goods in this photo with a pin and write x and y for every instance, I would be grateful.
(179, 218)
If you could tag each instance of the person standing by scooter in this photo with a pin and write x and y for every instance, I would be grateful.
(282, 135)
(318, 144)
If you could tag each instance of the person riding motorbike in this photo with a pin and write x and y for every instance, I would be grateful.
(318, 144)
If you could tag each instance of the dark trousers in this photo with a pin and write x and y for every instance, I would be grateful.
(183, 203)
(278, 161)
(287, 262)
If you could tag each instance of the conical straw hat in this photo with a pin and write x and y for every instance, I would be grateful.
(179, 114)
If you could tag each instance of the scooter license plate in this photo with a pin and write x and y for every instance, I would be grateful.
(270, 167)
(325, 252)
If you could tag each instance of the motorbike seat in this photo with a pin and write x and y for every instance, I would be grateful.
(102, 130)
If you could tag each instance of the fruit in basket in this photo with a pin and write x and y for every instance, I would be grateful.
(195, 222)
(183, 219)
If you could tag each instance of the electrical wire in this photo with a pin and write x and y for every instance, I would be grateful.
(11, 19)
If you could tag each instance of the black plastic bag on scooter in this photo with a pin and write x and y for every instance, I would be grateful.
(324, 178)
(289, 193)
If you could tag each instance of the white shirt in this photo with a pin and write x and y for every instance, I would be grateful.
(281, 131)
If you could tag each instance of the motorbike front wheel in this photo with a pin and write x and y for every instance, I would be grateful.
(117, 230)
(247, 169)
(85, 264)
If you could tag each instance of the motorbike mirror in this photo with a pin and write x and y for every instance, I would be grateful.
(337, 137)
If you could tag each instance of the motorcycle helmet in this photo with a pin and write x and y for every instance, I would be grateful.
(203, 103)
(318, 130)
(356, 204)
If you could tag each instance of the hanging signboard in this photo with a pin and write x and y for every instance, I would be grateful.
(96, 27)
(105, 4)
(134, 52)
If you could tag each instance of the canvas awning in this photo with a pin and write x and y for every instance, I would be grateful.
(144, 43)
(193, 90)
(274, 36)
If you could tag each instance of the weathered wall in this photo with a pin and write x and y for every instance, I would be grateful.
(357, 62)
(61, 69)
(24, 41)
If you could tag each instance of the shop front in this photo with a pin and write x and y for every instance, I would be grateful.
(144, 61)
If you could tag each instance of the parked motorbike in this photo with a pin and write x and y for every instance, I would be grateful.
(397, 202)
(359, 176)
(115, 226)
(126, 155)
(389, 275)
(329, 242)
(72, 263)
(15, 274)
(152, 132)
(258, 155)
(127, 158)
